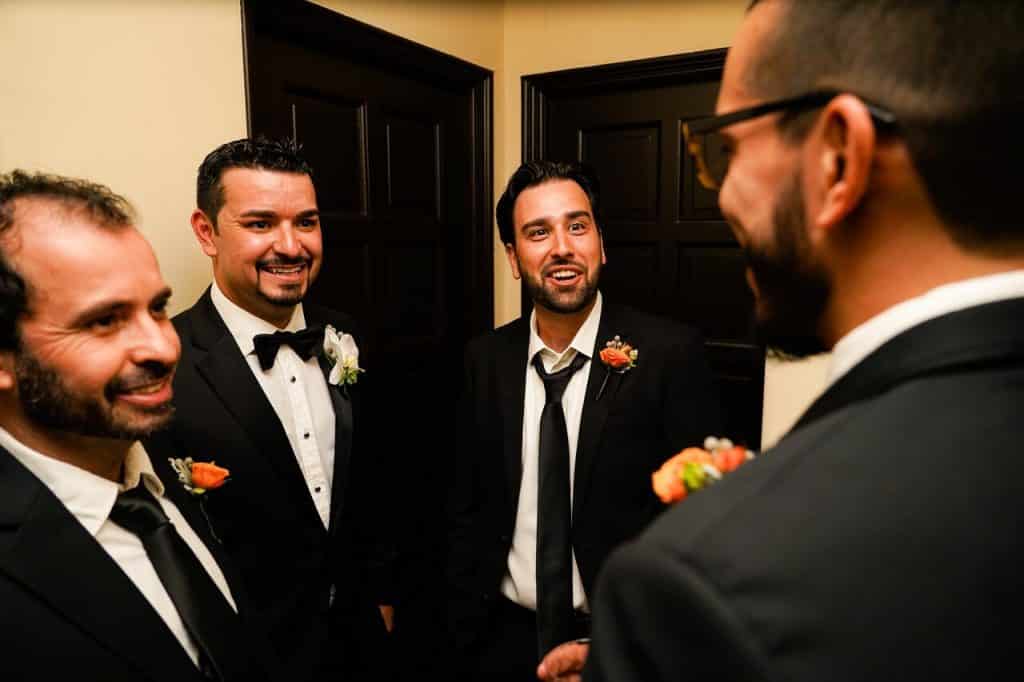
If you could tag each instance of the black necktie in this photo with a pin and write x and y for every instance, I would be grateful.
(305, 343)
(210, 620)
(554, 513)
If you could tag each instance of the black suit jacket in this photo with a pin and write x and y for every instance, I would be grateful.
(644, 416)
(69, 611)
(311, 588)
(880, 540)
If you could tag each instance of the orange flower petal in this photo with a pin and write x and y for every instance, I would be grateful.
(208, 475)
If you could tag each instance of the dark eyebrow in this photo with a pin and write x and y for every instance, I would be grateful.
(257, 214)
(97, 311)
(271, 215)
(540, 222)
(111, 307)
(162, 296)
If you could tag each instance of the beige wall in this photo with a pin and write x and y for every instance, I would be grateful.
(134, 94)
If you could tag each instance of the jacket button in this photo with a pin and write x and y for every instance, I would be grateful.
(485, 596)
(505, 538)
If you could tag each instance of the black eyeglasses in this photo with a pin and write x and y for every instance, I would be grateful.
(708, 147)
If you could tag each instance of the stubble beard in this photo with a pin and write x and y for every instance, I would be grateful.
(793, 288)
(557, 302)
(50, 404)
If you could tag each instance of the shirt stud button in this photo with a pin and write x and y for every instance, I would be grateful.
(293, 380)
(306, 434)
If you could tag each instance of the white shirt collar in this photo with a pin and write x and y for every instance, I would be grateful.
(87, 496)
(871, 335)
(583, 342)
(243, 325)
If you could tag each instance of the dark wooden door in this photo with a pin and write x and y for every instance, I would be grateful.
(399, 138)
(669, 250)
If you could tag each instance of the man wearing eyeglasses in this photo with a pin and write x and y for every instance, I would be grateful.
(871, 150)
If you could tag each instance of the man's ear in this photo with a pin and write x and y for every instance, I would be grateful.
(845, 154)
(8, 377)
(510, 253)
(204, 231)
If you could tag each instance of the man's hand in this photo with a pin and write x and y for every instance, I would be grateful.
(564, 663)
(388, 614)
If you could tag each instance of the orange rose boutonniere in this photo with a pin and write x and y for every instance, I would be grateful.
(696, 468)
(618, 356)
(198, 477)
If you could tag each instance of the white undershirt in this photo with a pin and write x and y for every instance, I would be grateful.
(520, 582)
(90, 499)
(871, 335)
(297, 390)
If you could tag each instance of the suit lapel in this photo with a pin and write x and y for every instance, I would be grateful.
(40, 540)
(343, 402)
(510, 383)
(344, 424)
(230, 378)
(192, 509)
(977, 336)
(595, 411)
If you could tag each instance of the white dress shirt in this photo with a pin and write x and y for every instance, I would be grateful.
(90, 499)
(298, 392)
(871, 335)
(520, 582)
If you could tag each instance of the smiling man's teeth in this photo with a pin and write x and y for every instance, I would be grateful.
(563, 274)
(151, 388)
(285, 270)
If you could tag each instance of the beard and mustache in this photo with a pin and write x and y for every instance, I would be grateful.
(563, 302)
(793, 287)
(50, 403)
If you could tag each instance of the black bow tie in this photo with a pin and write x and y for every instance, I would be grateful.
(305, 343)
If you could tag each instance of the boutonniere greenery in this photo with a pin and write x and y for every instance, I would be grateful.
(343, 354)
(619, 357)
(697, 468)
(198, 477)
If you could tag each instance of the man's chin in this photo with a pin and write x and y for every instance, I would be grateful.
(787, 343)
(285, 298)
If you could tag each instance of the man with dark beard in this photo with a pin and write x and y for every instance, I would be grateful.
(873, 178)
(105, 573)
(271, 388)
(557, 441)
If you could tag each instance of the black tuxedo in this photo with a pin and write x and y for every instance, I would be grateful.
(645, 415)
(69, 612)
(310, 587)
(878, 541)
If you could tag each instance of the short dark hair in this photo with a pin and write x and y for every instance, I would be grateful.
(950, 72)
(533, 173)
(260, 152)
(102, 206)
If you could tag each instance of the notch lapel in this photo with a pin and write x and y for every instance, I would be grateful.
(595, 412)
(229, 377)
(510, 380)
(344, 424)
(40, 539)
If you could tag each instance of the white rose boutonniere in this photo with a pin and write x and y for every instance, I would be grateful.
(343, 354)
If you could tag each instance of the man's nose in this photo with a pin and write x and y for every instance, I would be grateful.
(287, 242)
(156, 341)
(562, 244)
